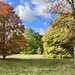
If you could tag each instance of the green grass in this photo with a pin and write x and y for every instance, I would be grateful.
(37, 67)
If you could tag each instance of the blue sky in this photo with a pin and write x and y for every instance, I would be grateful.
(32, 14)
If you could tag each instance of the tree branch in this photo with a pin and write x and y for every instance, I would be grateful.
(71, 3)
(68, 1)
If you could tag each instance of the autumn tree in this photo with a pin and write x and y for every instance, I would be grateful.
(60, 6)
(11, 29)
(56, 41)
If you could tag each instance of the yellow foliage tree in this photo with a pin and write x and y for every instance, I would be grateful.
(56, 41)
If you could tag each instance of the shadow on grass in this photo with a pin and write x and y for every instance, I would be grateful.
(41, 61)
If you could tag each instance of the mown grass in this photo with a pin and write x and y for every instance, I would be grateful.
(37, 67)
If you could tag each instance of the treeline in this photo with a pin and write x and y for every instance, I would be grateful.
(56, 42)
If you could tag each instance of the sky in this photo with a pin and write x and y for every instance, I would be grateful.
(32, 13)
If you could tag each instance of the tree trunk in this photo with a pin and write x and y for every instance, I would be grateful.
(74, 49)
(73, 15)
(3, 41)
(3, 57)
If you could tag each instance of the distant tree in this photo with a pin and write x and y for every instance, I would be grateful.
(60, 6)
(56, 41)
(35, 44)
(11, 29)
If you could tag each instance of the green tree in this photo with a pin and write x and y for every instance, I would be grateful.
(35, 44)
(11, 29)
(56, 41)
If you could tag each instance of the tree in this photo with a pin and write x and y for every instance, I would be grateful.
(60, 6)
(11, 29)
(56, 41)
(35, 44)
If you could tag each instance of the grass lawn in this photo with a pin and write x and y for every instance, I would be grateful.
(17, 66)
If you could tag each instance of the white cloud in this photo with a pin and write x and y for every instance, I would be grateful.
(38, 2)
(10, 3)
(29, 10)
(25, 12)
(40, 30)
(39, 11)
(40, 7)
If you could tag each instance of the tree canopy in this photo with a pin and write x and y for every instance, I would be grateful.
(56, 41)
(60, 6)
(35, 44)
(11, 29)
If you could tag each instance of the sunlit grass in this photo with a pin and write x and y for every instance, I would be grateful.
(37, 67)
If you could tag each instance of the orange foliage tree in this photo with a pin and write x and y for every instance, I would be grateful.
(11, 29)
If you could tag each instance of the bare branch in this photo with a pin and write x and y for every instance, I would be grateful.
(71, 3)
(68, 1)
